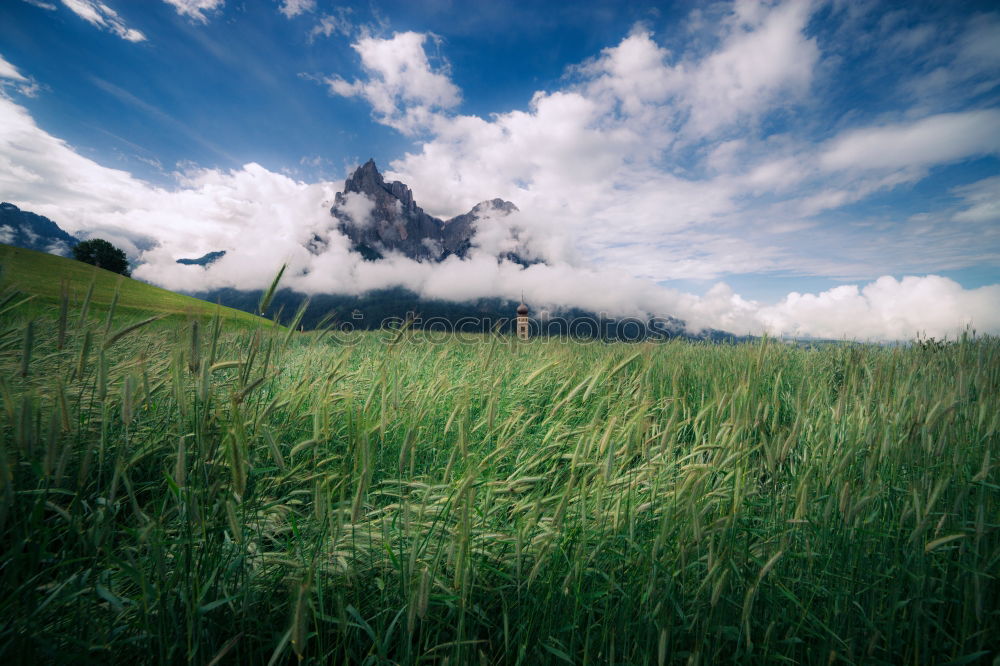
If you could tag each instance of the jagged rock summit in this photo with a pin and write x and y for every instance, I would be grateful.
(380, 217)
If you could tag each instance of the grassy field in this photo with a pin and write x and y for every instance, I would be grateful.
(216, 494)
(44, 276)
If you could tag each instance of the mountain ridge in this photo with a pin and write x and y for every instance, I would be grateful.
(381, 217)
(22, 228)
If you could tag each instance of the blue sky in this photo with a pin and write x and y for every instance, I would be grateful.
(236, 87)
(783, 166)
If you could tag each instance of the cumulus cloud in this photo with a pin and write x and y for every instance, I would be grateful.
(887, 309)
(99, 14)
(402, 87)
(196, 9)
(765, 60)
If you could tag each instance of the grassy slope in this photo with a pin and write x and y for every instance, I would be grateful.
(42, 275)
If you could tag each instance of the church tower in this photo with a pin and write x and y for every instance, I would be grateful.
(522, 321)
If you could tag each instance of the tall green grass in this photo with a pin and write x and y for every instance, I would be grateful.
(200, 493)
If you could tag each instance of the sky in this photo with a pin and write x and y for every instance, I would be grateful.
(811, 168)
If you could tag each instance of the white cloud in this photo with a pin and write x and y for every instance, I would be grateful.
(496, 233)
(937, 139)
(981, 202)
(292, 8)
(358, 208)
(10, 77)
(9, 72)
(979, 47)
(765, 61)
(402, 87)
(196, 9)
(962, 61)
(59, 247)
(329, 24)
(887, 309)
(101, 15)
(42, 5)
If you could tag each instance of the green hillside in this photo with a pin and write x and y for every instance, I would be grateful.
(43, 275)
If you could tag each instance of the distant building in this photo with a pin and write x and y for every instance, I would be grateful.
(522, 321)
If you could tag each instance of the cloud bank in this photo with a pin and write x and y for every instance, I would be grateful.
(263, 219)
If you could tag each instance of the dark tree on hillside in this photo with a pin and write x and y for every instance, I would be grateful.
(102, 254)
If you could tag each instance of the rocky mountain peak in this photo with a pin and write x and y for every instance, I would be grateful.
(366, 178)
(494, 205)
(387, 219)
